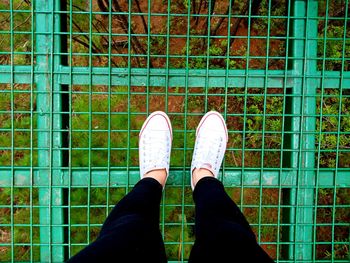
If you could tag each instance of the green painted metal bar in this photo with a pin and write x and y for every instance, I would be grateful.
(306, 176)
(175, 77)
(339, 128)
(90, 123)
(317, 165)
(48, 196)
(232, 177)
(185, 134)
(162, 221)
(283, 249)
(12, 130)
(110, 21)
(32, 143)
(57, 138)
(70, 141)
(292, 123)
(43, 99)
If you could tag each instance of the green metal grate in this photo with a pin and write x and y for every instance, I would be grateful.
(78, 78)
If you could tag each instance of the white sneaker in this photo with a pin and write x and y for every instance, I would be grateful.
(155, 143)
(210, 146)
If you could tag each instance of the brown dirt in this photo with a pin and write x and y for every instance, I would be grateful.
(176, 45)
(5, 238)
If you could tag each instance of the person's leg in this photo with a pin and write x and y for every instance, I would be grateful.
(222, 232)
(131, 231)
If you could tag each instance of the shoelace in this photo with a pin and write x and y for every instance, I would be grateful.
(160, 142)
(208, 149)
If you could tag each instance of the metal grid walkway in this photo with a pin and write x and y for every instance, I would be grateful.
(79, 77)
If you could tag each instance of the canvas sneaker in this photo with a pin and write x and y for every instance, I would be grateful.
(210, 146)
(155, 143)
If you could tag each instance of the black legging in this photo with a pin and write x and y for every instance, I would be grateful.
(131, 231)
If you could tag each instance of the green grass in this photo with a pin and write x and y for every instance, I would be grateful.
(325, 216)
(24, 124)
(24, 212)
